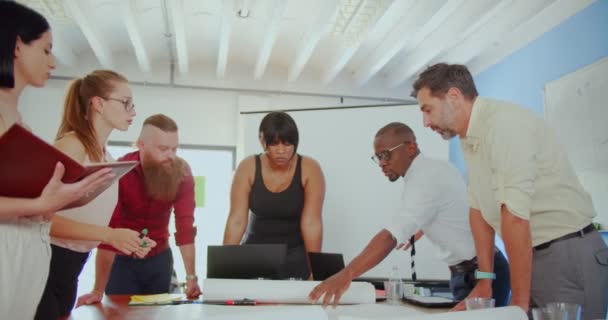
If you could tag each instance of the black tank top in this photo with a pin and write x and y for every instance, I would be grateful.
(275, 216)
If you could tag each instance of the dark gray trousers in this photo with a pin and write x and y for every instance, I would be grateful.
(575, 271)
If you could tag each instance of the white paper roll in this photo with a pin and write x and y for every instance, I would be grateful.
(504, 313)
(279, 291)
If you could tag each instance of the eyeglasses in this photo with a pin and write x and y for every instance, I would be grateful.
(127, 103)
(386, 154)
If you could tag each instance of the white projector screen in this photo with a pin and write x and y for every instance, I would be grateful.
(359, 199)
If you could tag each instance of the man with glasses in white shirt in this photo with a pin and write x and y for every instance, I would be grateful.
(433, 203)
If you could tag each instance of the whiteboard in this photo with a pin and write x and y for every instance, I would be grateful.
(359, 199)
(576, 106)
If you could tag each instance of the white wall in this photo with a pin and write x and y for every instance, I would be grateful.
(205, 117)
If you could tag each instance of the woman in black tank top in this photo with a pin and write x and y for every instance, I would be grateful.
(282, 192)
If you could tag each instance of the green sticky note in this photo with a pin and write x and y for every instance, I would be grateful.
(199, 191)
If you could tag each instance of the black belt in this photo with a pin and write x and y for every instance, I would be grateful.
(468, 265)
(465, 266)
(588, 229)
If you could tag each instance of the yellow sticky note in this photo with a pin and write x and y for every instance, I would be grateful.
(155, 298)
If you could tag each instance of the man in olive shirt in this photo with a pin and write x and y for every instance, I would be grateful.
(521, 185)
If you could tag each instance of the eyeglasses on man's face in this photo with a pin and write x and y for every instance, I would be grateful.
(386, 154)
(127, 103)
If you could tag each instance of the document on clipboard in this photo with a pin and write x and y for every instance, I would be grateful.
(27, 164)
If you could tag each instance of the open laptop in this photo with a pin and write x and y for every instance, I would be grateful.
(325, 265)
(246, 261)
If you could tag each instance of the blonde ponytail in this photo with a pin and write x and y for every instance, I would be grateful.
(76, 112)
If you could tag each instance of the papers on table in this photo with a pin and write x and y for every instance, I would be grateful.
(154, 299)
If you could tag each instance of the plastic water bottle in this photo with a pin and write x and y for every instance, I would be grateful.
(394, 292)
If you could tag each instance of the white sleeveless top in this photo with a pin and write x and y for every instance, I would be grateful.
(98, 212)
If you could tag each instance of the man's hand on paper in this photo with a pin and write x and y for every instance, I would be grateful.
(193, 291)
(89, 298)
(483, 289)
(57, 194)
(334, 287)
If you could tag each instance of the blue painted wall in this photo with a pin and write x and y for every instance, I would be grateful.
(520, 78)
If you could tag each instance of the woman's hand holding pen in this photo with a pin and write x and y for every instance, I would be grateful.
(129, 242)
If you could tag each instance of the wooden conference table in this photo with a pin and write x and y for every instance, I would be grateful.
(115, 307)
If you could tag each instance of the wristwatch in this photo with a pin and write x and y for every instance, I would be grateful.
(484, 275)
(191, 277)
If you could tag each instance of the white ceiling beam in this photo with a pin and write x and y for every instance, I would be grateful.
(225, 30)
(527, 32)
(320, 27)
(79, 12)
(481, 38)
(177, 17)
(356, 14)
(272, 32)
(422, 18)
(387, 21)
(128, 11)
(446, 36)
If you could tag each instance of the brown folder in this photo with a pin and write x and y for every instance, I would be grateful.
(27, 163)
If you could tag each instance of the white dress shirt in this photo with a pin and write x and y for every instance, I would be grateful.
(434, 200)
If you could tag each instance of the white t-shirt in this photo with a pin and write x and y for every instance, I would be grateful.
(434, 200)
(98, 212)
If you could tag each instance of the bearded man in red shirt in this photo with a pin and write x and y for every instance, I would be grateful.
(160, 184)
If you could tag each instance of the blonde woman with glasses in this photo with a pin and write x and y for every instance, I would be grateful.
(94, 106)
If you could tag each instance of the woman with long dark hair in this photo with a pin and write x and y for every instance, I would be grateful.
(25, 253)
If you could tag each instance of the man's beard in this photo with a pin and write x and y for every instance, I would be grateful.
(448, 134)
(162, 181)
(448, 119)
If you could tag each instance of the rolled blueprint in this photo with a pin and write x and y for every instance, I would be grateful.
(279, 291)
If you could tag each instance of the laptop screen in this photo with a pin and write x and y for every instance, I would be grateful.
(247, 261)
(325, 265)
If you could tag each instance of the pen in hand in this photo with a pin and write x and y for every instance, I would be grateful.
(144, 244)
(143, 233)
